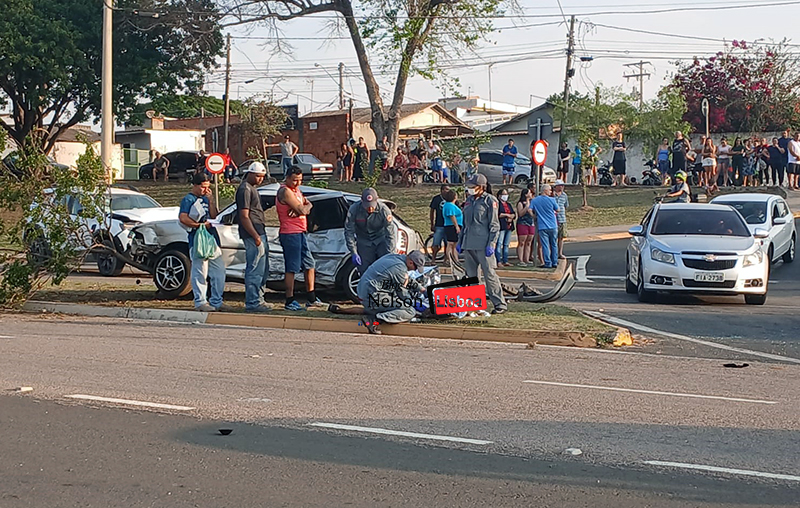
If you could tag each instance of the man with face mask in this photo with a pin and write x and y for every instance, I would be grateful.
(478, 238)
(370, 230)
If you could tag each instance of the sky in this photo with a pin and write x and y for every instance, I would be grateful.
(529, 49)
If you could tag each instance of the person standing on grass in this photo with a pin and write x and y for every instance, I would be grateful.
(510, 153)
(478, 238)
(662, 158)
(454, 221)
(196, 209)
(525, 228)
(506, 215)
(288, 151)
(783, 142)
(723, 161)
(545, 207)
(293, 209)
(594, 153)
(563, 161)
(794, 161)
(680, 147)
(561, 217)
(737, 160)
(776, 163)
(253, 232)
(434, 153)
(577, 174)
(361, 160)
(437, 220)
(619, 162)
(710, 165)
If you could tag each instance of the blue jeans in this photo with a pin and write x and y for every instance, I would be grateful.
(212, 270)
(549, 241)
(256, 271)
(286, 164)
(501, 250)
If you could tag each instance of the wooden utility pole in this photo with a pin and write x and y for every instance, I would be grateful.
(341, 85)
(569, 72)
(227, 119)
(640, 75)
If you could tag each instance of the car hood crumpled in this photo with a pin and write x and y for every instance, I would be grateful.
(703, 243)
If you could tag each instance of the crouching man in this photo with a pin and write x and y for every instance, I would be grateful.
(386, 291)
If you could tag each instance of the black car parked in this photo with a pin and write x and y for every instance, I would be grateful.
(182, 165)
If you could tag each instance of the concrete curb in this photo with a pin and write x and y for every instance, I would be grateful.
(424, 331)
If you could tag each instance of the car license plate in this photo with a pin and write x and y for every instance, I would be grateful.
(709, 277)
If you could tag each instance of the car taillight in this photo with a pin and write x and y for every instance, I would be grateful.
(402, 242)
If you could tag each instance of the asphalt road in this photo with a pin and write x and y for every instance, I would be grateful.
(524, 407)
(771, 328)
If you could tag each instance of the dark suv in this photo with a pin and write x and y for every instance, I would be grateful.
(182, 165)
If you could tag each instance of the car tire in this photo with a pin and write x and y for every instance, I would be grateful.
(145, 174)
(347, 280)
(644, 295)
(109, 265)
(428, 246)
(172, 274)
(788, 256)
(521, 180)
(39, 252)
(755, 299)
(630, 287)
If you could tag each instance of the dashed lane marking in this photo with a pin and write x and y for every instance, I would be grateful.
(715, 469)
(388, 432)
(127, 402)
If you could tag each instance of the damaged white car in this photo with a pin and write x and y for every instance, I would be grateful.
(163, 246)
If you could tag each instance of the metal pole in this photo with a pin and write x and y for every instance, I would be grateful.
(107, 108)
(311, 108)
(227, 119)
(490, 91)
(216, 190)
(341, 85)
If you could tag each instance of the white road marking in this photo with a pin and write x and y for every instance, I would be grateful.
(651, 392)
(580, 269)
(6, 337)
(129, 402)
(715, 469)
(647, 329)
(387, 432)
(608, 277)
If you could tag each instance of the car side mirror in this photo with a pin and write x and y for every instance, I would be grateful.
(636, 231)
(777, 221)
(761, 233)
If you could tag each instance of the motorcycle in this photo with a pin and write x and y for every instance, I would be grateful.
(604, 174)
(651, 176)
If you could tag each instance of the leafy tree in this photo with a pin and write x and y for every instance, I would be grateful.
(184, 106)
(41, 241)
(749, 88)
(404, 37)
(264, 120)
(51, 59)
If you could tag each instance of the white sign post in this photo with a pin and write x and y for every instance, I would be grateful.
(215, 164)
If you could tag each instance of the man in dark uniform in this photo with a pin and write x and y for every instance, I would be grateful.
(386, 291)
(370, 230)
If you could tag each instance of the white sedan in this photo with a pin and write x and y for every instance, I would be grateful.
(770, 212)
(696, 248)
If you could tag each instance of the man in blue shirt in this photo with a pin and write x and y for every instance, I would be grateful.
(509, 162)
(545, 207)
(576, 165)
(195, 210)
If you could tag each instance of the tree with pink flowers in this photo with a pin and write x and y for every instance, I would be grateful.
(749, 87)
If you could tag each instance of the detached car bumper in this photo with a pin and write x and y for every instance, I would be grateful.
(680, 278)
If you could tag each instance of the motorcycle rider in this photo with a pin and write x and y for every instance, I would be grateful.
(680, 192)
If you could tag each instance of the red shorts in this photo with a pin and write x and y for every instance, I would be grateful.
(524, 230)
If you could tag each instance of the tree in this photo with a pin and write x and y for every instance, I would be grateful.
(51, 56)
(264, 120)
(749, 88)
(406, 37)
(183, 106)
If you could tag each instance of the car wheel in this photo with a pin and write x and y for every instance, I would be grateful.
(38, 249)
(755, 299)
(521, 180)
(347, 281)
(630, 287)
(145, 174)
(429, 249)
(643, 294)
(788, 256)
(108, 264)
(171, 274)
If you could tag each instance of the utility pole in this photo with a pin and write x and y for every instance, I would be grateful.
(311, 107)
(350, 119)
(569, 72)
(640, 75)
(227, 119)
(490, 91)
(341, 85)
(107, 105)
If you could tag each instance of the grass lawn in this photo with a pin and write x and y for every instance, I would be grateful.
(521, 315)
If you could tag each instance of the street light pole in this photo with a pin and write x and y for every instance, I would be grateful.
(107, 111)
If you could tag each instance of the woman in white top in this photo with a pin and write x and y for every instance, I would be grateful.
(710, 165)
(724, 161)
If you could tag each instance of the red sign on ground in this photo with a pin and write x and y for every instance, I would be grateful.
(450, 300)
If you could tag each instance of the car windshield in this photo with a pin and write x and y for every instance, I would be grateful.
(754, 212)
(307, 158)
(132, 202)
(699, 222)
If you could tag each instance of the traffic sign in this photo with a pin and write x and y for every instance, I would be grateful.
(215, 163)
(539, 152)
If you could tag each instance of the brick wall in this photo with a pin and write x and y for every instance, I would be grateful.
(324, 141)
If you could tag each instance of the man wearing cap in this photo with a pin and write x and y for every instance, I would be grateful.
(253, 233)
(478, 237)
(561, 216)
(370, 230)
(680, 192)
(386, 291)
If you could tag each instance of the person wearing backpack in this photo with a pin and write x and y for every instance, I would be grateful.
(196, 209)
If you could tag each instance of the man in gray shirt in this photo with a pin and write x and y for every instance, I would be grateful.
(370, 230)
(253, 232)
(288, 151)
